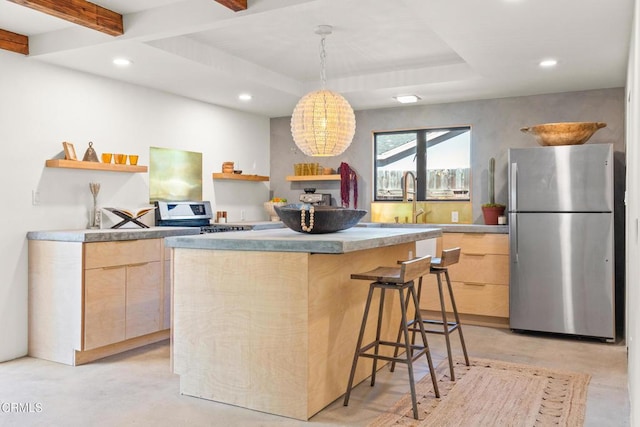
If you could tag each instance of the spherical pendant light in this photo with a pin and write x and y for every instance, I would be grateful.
(323, 122)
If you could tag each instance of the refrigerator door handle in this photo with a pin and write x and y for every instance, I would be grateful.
(514, 187)
(514, 227)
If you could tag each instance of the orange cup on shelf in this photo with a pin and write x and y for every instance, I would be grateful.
(133, 159)
(121, 159)
(106, 157)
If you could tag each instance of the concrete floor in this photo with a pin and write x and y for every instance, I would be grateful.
(136, 388)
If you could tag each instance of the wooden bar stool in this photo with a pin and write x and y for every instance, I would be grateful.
(439, 266)
(399, 279)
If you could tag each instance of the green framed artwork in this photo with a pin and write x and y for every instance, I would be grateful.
(174, 175)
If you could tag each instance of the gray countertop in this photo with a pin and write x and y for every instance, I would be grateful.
(108, 235)
(287, 240)
(446, 228)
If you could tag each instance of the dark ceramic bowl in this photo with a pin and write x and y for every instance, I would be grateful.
(326, 219)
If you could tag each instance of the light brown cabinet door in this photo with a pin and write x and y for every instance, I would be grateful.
(166, 317)
(144, 298)
(104, 306)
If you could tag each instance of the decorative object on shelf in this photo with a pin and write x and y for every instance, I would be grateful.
(325, 219)
(90, 155)
(327, 171)
(492, 210)
(120, 159)
(129, 216)
(305, 169)
(567, 133)
(227, 167)
(323, 122)
(106, 157)
(269, 207)
(348, 178)
(69, 151)
(133, 159)
(95, 218)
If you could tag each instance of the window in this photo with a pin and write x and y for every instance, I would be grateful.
(439, 158)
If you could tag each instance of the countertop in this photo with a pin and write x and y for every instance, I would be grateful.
(111, 234)
(287, 240)
(446, 228)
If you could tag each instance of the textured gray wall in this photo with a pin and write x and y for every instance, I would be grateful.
(495, 127)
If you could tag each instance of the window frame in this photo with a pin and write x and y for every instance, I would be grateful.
(420, 152)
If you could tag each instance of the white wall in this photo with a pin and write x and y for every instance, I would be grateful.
(632, 214)
(42, 105)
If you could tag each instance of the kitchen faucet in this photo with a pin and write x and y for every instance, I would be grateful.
(415, 213)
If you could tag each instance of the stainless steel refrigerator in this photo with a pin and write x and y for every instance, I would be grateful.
(561, 240)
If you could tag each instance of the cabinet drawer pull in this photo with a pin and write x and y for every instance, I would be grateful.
(138, 264)
(474, 253)
(474, 284)
(112, 267)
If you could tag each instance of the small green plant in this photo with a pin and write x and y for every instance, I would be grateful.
(492, 186)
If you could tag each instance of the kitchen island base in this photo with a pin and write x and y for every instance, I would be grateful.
(273, 331)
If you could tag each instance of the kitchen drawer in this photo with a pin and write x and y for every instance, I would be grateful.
(477, 243)
(492, 269)
(107, 254)
(477, 299)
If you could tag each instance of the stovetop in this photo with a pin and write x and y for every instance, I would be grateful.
(217, 228)
(191, 214)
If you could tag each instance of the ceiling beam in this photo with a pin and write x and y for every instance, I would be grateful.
(235, 5)
(14, 42)
(79, 12)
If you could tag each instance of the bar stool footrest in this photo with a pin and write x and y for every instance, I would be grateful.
(452, 326)
(416, 351)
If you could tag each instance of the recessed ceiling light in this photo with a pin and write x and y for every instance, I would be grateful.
(547, 63)
(122, 62)
(407, 99)
(245, 97)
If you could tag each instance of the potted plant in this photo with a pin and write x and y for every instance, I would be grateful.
(492, 210)
(268, 206)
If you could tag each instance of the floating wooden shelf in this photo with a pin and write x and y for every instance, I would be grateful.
(313, 177)
(77, 164)
(240, 177)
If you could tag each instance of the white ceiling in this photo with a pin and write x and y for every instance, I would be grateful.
(440, 50)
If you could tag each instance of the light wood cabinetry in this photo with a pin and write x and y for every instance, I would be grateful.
(166, 280)
(332, 177)
(118, 298)
(110, 167)
(144, 299)
(480, 280)
(104, 306)
(239, 177)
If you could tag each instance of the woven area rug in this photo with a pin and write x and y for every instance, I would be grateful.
(494, 393)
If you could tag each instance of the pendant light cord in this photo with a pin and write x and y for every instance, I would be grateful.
(323, 59)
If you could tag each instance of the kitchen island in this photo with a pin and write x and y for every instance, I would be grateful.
(268, 320)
